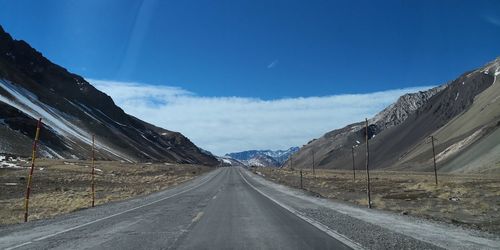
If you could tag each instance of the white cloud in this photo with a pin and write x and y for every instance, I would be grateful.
(229, 124)
(273, 64)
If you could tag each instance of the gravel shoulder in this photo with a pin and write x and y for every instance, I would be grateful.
(375, 229)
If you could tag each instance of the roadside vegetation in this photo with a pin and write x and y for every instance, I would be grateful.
(472, 201)
(63, 186)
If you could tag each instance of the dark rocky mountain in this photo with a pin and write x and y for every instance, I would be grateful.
(72, 110)
(279, 156)
(464, 115)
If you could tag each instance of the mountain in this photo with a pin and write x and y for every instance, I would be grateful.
(267, 158)
(262, 161)
(73, 110)
(464, 115)
(225, 161)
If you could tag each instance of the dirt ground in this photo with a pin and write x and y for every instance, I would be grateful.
(471, 201)
(63, 186)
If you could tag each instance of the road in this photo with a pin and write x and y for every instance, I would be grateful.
(220, 210)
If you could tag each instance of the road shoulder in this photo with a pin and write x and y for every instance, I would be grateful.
(372, 228)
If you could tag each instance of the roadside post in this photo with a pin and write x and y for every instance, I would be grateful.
(301, 186)
(93, 170)
(314, 173)
(30, 176)
(353, 169)
(434, 155)
(367, 165)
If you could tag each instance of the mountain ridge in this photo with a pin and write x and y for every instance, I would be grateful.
(72, 110)
(400, 142)
(267, 158)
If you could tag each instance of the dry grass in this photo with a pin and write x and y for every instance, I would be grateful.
(468, 200)
(64, 186)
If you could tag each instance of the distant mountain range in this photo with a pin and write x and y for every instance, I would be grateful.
(72, 111)
(464, 116)
(263, 158)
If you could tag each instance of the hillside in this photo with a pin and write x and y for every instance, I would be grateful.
(72, 110)
(464, 115)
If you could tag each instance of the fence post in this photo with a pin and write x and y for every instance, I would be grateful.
(301, 186)
(314, 173)
(353, 169)
(367, 166)
(434, 154)
(30, 176)
(93, 170)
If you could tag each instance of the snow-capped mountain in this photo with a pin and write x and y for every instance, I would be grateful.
(72, 110)
(226, 161)
(271, 158)
(262, 161)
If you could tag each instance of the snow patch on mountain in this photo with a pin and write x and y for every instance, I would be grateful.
(29, 104)
(267, 158)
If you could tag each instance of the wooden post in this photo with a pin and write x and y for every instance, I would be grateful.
(30, 176)
(367, 166)
(353, 169)
(314, 173)
(301, 186)
(434, 154)
(93, 171)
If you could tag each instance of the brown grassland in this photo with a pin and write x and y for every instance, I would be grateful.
(63, 186)
(472, 201)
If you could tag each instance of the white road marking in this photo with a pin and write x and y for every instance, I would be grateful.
(110, 216)
(24, 244)
(317, 224)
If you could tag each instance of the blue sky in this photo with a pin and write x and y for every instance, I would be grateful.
(260, 50)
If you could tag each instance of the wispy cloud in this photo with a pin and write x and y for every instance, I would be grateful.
(228, 124)
(273, 64)
(492, 19)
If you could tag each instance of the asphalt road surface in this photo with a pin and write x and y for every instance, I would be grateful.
(220, 210)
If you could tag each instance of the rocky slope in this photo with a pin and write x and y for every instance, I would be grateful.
(463, 115)
(72, 110)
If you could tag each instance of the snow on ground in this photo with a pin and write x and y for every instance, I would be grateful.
(9, 165)
(10, 162)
